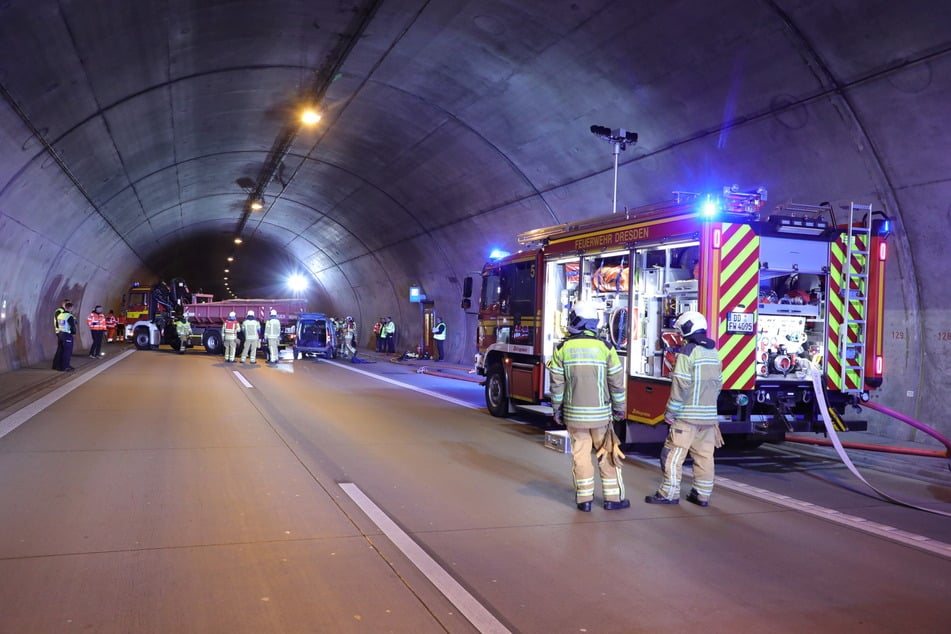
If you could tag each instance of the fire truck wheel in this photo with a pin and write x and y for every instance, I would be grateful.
(142, 339)
(496, 396)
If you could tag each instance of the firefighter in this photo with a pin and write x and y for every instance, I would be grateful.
(691, 414)
(349, 337)
(272, 336)
(251, 328)
(587, 393)
(439, 336)
(111, 324)
(184, 331)
(97, 325)
(229, 335)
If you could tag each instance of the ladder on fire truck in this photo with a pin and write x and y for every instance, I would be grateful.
(855, 297)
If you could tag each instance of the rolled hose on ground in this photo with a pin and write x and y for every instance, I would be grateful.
(817, 381)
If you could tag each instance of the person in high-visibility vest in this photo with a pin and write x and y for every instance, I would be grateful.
(229, 336)
(58, 357)
(184, 331)
(66, 329)
(111, 324)
(691, 414)
(587, 394)
(349, 337)
(439, 336)
(251, 328)
(272, 336)
(97, 325)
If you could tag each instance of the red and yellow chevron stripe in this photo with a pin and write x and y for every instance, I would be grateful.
(735, 289)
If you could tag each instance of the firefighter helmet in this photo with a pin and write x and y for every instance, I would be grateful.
(250, 313)
(691, 322)
(583, 316)
(349, 318)
(273, 313)
(231, 315)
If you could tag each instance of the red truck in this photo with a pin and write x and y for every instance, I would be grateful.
(207, 317)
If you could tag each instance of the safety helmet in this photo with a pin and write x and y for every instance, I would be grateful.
(250, 313)
(583, 316)
(349, 318)
(231, 315)
(273, 313)
(690, 322)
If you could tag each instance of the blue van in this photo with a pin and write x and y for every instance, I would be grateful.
(315, 335)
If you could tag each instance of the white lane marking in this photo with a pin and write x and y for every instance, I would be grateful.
(851, 521)
(242, 379)
(449, 399)
(474, 611)
(19, 417)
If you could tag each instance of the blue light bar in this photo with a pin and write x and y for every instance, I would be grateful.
(498, 254)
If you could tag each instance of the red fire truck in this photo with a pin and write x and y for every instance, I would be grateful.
(780, 291)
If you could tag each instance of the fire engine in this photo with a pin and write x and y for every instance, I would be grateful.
(780, 291)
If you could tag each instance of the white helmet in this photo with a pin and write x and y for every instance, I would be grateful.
(273, 313)
(250, 313)
(691, 322)
(583, 316)
(231, 315)
(584, 310)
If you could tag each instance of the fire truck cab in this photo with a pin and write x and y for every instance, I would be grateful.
(780, 292)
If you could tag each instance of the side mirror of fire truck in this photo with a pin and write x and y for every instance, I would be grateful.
(467, 293)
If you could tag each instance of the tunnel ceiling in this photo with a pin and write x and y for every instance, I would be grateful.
(168, 117)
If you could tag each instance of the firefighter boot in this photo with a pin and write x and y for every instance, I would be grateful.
(695, 498)
(657, 498)
(615, 506)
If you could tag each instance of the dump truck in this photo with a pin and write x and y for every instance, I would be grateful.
(162, 302)
(801, 286)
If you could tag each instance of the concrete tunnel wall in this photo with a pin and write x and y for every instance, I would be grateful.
(816, 101)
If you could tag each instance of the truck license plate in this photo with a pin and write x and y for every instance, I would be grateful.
(740, 323)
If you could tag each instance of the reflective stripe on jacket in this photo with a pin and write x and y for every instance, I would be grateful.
(695, 386)
(587, 381)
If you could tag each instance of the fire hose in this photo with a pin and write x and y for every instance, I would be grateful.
(817, 377)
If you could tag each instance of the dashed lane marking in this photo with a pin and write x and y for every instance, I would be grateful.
(243, 380)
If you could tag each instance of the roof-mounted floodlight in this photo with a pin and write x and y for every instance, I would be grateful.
(621, 138)
(257, 203)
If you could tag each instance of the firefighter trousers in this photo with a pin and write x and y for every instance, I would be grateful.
(231, 346)
(250, 349)
(697, 441)
(583, 442)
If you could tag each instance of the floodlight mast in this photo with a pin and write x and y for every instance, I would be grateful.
(621, 138)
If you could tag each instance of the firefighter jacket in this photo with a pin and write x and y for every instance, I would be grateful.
(439, 332)
(230, 330)
(96, 321)
(389, 329)
(272, 328)
(587, 381)
(183, 329)
(251, 328)
(695, 386)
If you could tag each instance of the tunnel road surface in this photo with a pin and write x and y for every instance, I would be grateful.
(179, 493)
